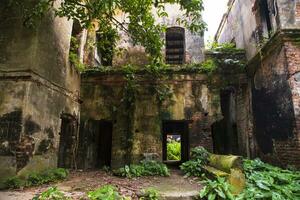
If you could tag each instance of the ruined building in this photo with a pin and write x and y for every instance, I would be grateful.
(50, 115)
(269, 32)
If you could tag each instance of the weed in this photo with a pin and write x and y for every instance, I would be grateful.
(107, 192)
(145, 168)
(217, 189)
(193, 167)
(150, 194)
(51, 194)
(34, 179)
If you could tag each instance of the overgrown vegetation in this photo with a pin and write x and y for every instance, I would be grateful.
(51, 193)
(150, 194)
(216, 189)
(265, 181)
(73, 55)
(225, 47)
(34, 179)
(106, 192)
(139, 23)
(145, 168)
(193, 167)
(173, 150)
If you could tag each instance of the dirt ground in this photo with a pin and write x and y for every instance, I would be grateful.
(79, 182)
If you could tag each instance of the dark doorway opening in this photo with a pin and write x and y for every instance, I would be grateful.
(68, 141)
(99, 144)
(224, 132)
(175, 132)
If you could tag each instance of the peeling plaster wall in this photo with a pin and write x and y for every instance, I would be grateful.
(194, 43)
(37, 85)
(269, 120)
(102, 100)
(239, 26)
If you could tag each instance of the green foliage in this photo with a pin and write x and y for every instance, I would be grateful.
(193, 167)
(141, 25)
(145, 168)
(208, 66)
(106, 43)
(226, 47)
(174, 150)
(34, 179)
(265, 181)
(216, 189)
(150, 194)
(73, 55)
(106, 192)
(14, 183)
(200, 153)
(51, 193)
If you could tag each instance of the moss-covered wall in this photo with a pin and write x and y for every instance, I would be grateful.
(137, 125)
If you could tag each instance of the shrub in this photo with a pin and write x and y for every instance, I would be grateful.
(107, 192)
(192, 168)
(145, 168)
(150, 194)
(265, 181)
(200, 153)
(199, 157)
(174, 150)
(34, 179)
(51, 194)
(14, 183)
(153, 168)
(216, 189)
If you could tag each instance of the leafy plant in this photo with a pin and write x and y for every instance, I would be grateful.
(174, 150)
(265, 181)
(216, 189)
(145, 168)
(193, 167)
(51, 193)
(150, 194)
(73, 55)
(200, 153)
(225, 47)
(209, 66)
(107, 192)
(14, 183)
(34, 179)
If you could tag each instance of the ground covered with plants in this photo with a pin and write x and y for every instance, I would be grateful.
(105, 184)
(148, 179)
(263, 181)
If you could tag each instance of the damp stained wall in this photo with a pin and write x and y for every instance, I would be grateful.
(140, 133)
(271, 97)
(135, 54)
(37, 85)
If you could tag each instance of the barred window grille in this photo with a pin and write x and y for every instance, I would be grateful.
(175, 45)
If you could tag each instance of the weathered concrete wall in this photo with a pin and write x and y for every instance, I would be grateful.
(192, 99)
(137, 129)
(239, 26)
(37, 86)
(289, 14)
(194, 43)
(268, 122)
(273, 110)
